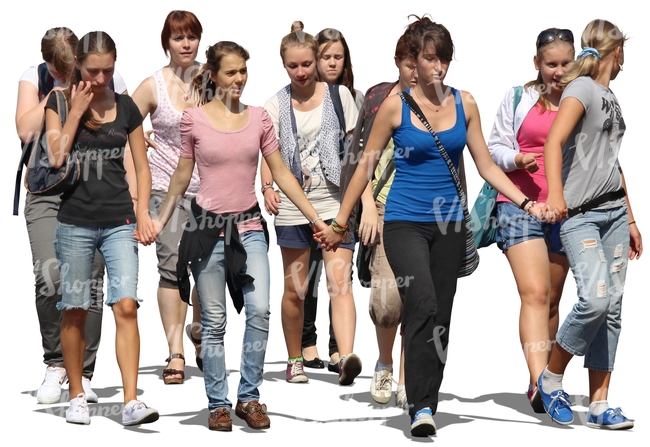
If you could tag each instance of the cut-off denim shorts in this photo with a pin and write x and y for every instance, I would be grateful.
(75, 250)
(516, 226)
(300, 236)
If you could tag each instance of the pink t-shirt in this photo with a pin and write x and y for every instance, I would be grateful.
(227, 160)
(531, 138)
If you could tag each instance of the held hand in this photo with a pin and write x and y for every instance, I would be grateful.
(328, 238)
(80, 97)
(528, 161)
(271, 201)
(557, 207)
(149, 141)
(369, 227)
(636, 244)
(146, 232)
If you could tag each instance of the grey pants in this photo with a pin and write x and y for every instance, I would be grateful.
(40, 217)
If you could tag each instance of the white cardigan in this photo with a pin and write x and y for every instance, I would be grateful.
(502, 143)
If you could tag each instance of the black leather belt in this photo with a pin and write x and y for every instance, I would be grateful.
(590, 205)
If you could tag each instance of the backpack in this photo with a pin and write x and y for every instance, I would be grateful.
(344, 138)
(45, 86)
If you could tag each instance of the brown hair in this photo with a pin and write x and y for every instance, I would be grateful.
(58, 47)
(179, 22)
(298, 39)
(402, 47)
(424, 31)
(205, 87)
(95, 42)
(327, 37)
(297, 24)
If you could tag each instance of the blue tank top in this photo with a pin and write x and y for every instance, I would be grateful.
(423, 189)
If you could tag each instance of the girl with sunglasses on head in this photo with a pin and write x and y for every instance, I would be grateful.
(424, 231)
(165, 96)
(34, 89)
(586, 184)
(532, 247)
(98, 214)
(309, 132)
(335, 68)
(227, 242)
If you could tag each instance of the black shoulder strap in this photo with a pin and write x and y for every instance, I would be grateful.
(338, 105)
(45, 81)
(390, 168)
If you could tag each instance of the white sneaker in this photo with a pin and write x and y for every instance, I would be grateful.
(400, 399)
(381, 386)
(77, 412)
(136, 412)
(50, 390)
(91, 396)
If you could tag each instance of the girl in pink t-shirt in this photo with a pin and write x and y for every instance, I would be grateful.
(223, 138)
(517, 145)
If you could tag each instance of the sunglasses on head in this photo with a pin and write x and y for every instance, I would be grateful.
(549, 36)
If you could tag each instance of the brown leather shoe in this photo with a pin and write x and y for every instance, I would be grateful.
(254, 414)
(220, 420)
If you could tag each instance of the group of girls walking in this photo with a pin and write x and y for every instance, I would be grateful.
(344, 176)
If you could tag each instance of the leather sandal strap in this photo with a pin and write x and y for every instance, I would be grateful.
(175, 356)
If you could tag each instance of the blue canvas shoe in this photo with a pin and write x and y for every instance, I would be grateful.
(556, 404)
(611, 419)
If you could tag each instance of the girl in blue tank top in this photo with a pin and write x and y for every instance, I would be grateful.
(423, 236)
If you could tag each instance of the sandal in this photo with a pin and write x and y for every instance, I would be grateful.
(168, 372)
(197, 346)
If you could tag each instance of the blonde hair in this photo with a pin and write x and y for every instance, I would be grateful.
(298, 39)
(58, 48)
(601, 35)
(297, 25)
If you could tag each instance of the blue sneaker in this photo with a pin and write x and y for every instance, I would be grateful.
(611, 419)
(422, 424)
(556, 404)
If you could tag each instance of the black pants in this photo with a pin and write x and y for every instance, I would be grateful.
(311, 302)
(425, 258)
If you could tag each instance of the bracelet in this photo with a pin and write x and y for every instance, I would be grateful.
(314, 220)
(633, 222)
(266, 186)
(338, 228)
(524, 203)
(530, 204)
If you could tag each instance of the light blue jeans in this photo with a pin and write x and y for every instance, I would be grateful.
(75, 247)
(210, 276)
(596, 244)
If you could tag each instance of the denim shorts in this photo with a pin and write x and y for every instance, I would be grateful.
(516, 226)
(300, 236)
(75, 250)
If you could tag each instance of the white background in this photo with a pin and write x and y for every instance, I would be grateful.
(482, 395)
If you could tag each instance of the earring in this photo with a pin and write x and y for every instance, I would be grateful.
(620, 67)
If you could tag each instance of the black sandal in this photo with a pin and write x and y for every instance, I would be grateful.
(197, 345)
(167, 372)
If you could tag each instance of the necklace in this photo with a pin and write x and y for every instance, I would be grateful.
(185, 96)
(425, 104)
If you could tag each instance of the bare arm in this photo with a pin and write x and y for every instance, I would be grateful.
(484, 163)
(29, 111)
(60, 140)
(288, 184)
(636, 243)
(143, 178)
(387, 119)
(568, 115)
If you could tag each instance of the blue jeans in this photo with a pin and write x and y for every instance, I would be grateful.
(210, 277)
(596, 244)
(75, 247)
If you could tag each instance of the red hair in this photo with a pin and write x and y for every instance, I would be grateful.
(179, 22)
